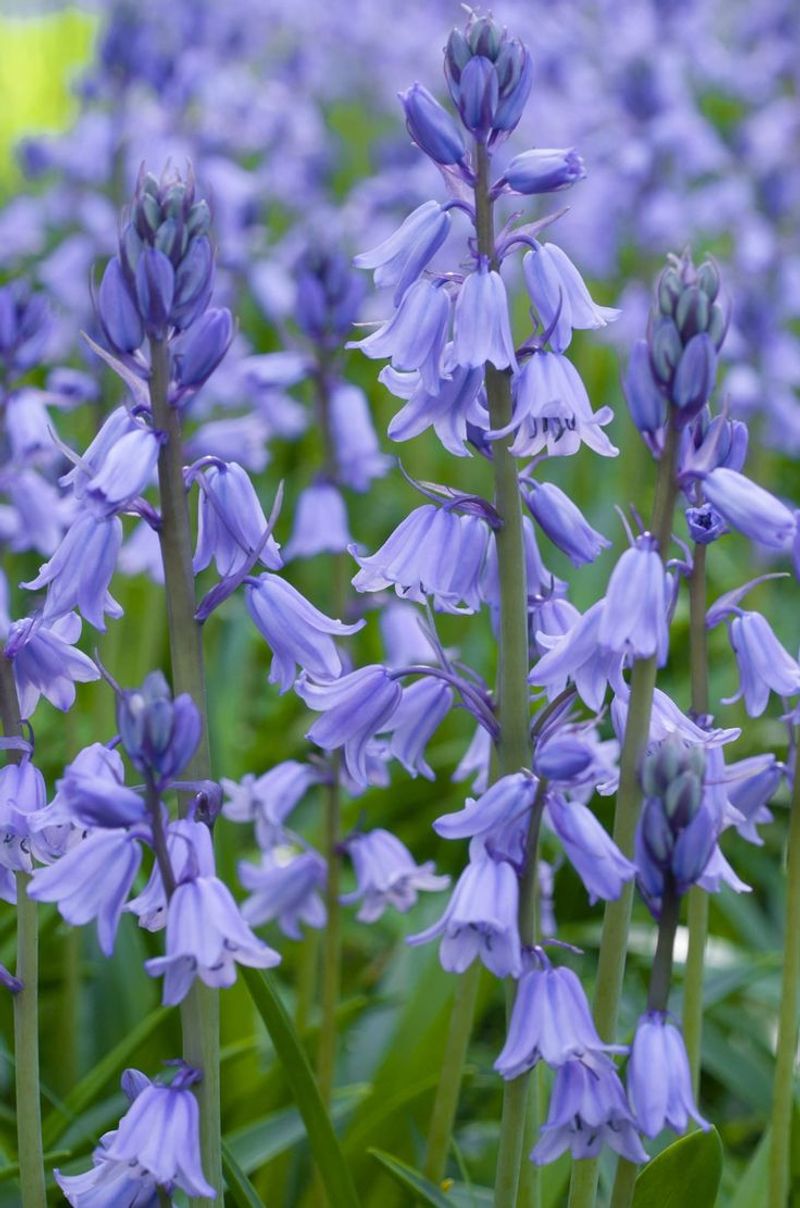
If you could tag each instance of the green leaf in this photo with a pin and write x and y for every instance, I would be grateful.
(241, 1190)
(321, 1136)
(86, 1090)
(687, 1172)
(263, 1140)
(408, 1177)
(752, 1188)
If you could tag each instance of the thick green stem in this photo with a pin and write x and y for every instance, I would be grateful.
(26, 1001)
(513, 695)
(451, 1072)
(698, 898)
(200, 1008)
(783, 1090)
(617, 917)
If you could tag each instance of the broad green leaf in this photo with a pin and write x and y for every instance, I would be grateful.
(686, 1172)
(84, 1093)
(408, 1177)
(240, 1189)
(321, 1136)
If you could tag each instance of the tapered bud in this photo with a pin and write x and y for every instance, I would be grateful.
(431, 127)
(665, 349)
(694, 376)
(646, 402)
(117, 311)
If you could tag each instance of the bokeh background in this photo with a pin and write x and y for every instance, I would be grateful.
(686, 113)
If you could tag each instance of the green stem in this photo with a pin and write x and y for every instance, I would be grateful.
(451, 1072)
(331, 939)
(698, 898)
(513, 695)
(657, 1000)
(617, 917)
(26, 1001)
(783, 1091)
(200, 1008)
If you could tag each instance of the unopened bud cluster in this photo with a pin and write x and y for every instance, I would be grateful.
(489, 76)
(159, 734)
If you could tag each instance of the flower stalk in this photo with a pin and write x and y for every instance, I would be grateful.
(26, 1000)
(200, 1008)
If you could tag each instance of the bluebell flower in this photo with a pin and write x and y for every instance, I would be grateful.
(206, 937)
(386, 875)
(475, 761)
(155, 1145)
(588, 1110)
(659, 1079)
(405, 637)
(564, 523)
(415, 336)
(431, 127)
(489, 75)
(480, 920)
(296, 631)
(545, 170)
(92, 881)
(159, 734)
(355, 708)
(749, 508)
(540, 582)
(694, 376)
(634, 615)
(79, 572)
(647, 402)
(286, 885)
(358, 456)
(560, 296)
(478, 94)
(231, 522)
(118, 314)
(750, 785)
(92, 792)
(705, 524)
(22, 798)
(26, 325)
(552, 410)
(399, 260)
(191, 854)
(592, 853)
(573, 757)
(320, 523)
(125, 471)
(551, 1021)
(268, 800)
(432, 552)
(578, 656)
(458, 403)
(196, 353)
(154, 283)
(46, 662)
(764, 665)
(510, 797)
(481, 326)
(423, 707)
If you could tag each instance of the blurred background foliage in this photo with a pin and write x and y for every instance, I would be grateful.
(101, 1015)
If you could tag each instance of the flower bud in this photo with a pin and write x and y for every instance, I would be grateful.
(431, 127)
(694, 377)
(692, 312)
(116, 310)
(545, 170)
(665, 349)
(202, 348)
(159, 734)
(155, 288)
(682, 798)
(646, 402)
(478, 95)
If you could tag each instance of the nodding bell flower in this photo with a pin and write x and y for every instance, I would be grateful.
(564, 523)
(552, 410)
(386, 875)
(634, 615)
(415, 336)
(231, 522)
(269, 799)
(764, 665)
(423, 707)
(286, 885)
(588, 1110)
(79, 572)
(659, 1079)
(46, 662)
(480, 920)
(481, 326)
(320, 523)
(400, 259)
(577, 655)
(750, 509)
(431, 127)
(458, 403)
(593, 854)
(354, 709)
(560, 296)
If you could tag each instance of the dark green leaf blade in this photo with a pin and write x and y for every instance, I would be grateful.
(408, 1177)
(240, 1189)
(687, 1172)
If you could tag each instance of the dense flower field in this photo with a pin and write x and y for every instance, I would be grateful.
(398, 603)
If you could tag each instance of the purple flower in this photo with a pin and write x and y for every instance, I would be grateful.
(117, 311)
(560, 296)
(482, 330)
(296, 631)
(509, 798)
(593, 854)
(545, 170)
(551, 1021)
(749, 508)
(231, 522)
(320, 523)
(764, 665)
(705, 524)
(659, 1080)
(124, 472)
(457, 403)
(22, 797)
(694, 376)
(156, 1144)
(751, 784)
(286, 886)
(159, 734)
(355, 708)
(358, 455)
(190, 855)
(399, 260)
(480, 920)
(92, 881)
(647, 402)
(424, 705)
(92, 792)
(634, 615)
(206, 936)
(431, 126)
(79, 572)
(269, 799)
(414, 338)
(386, 875)
(564, 523)
(198, 351)
(432, 552)
(552, 410)
(577, 656)
(46, 662)
(587, 1111)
